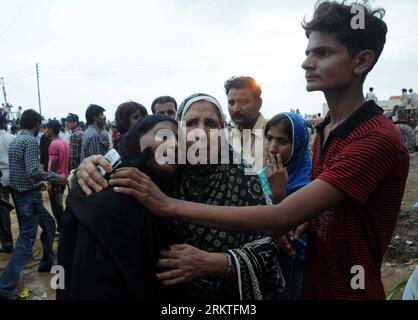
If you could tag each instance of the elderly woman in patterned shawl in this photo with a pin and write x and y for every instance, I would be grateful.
(244, 266)
(215, 264)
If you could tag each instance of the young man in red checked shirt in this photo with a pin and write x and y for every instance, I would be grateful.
(360, 168)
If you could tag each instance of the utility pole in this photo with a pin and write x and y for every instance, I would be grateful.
(4, 91)
(39, 90)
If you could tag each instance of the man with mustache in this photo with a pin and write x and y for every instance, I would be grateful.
(244, 104)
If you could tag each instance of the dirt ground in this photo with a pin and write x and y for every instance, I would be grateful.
(400, 261)
(402, 256)
(39, 283)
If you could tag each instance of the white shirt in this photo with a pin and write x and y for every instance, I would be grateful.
(413, 99)
(257, 157)
(371, 96)
(65, 135)
(5, 140)
(404, 99)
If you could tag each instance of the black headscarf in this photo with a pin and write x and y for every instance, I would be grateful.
(110, 242)
(130, 149)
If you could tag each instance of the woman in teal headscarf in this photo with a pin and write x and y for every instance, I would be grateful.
(288, 139)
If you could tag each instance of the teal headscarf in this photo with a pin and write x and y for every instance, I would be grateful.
(299, 164)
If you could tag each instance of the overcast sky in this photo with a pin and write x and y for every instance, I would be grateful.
(107, 52)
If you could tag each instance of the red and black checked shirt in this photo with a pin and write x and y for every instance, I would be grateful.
(365, 158)
(76, 141)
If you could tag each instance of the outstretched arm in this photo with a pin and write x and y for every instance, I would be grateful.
(293, 211)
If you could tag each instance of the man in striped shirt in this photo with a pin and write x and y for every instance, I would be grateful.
(76, 140)
(25, 183)
(360, 163)
(92, 141)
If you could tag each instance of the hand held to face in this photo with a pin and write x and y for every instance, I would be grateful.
(277, 176)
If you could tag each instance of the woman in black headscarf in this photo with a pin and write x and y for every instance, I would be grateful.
(110, 243)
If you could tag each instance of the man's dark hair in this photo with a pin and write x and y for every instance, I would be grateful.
(241, 83)
(411, 90)
(371, 89)
(30, 119)
(162, 100)
(124, 111)
(404, 90)
(335, 17)
(55, 126)
(71, 117)
(93, 111)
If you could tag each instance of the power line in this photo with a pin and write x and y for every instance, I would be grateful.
(20, 78)
(177, 62)
(15, 18)
(19, 72)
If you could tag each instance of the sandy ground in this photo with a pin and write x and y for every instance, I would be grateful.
(39, 283)
(399, 263)
(402, 257)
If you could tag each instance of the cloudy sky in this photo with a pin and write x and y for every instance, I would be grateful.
(107, 52)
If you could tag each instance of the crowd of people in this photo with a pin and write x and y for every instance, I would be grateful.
(407, 97)
(295, 227)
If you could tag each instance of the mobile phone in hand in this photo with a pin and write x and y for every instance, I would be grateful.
(114, 159)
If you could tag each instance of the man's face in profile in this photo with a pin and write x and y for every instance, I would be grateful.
(328, 64)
